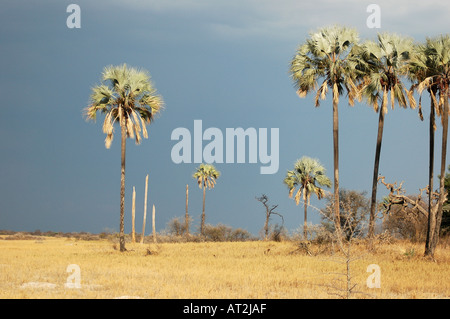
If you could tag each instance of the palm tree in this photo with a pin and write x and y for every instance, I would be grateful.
(308, 175)
(437, 52)
(327, 56)
(386, 61)
(128, 97)
(206, 176)
(420, 69)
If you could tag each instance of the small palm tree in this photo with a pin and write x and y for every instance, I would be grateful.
(127, 97)
(327, 56)
(437, 52)
(386, 61)
(308, 175)
(206, 176)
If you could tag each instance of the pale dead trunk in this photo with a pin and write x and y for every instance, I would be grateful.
(145, 209)
(153, 224)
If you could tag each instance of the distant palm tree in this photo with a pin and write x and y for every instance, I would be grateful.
(206, 176)
(437, 51)
(327, 56)
(129, 98)
(386, 62)
(308, 175)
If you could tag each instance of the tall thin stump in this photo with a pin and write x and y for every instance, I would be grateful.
(145, 209)
(153, 224)
(133, 215)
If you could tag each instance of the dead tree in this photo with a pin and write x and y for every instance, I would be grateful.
(397, 197)
(270, 209)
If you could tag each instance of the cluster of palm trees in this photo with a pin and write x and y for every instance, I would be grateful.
(377, 72)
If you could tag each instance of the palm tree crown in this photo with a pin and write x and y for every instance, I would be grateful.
(127, 97)
(327, 55)
(206, 175)
(308, 175)
(431, 65)
(386, 61)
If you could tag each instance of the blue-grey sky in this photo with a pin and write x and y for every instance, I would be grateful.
(223, 62)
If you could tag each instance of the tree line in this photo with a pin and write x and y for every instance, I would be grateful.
(331, 59)
(376, 72)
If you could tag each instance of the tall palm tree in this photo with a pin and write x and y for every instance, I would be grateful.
(308, 175)
(420, 69)
(437, 51)
(127, 96)
(386, 61)
(327, 56)
(206, 176)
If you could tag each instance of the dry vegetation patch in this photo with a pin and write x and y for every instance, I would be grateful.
(252, 269)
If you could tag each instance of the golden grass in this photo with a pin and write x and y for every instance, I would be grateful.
(213, 270)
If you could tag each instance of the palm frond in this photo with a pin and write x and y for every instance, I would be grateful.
(420, 108)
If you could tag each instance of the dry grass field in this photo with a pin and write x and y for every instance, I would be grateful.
(253, 269)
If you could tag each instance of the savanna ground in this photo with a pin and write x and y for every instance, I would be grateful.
(37, 268)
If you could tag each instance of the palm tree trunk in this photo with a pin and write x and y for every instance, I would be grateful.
(431, 215)
(202, 227)
(437, 227)
(122, 185)
(133, 217)
(305, 232)
(336, 162)
(375, 174)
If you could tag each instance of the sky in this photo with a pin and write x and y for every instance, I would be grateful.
(223, 62)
